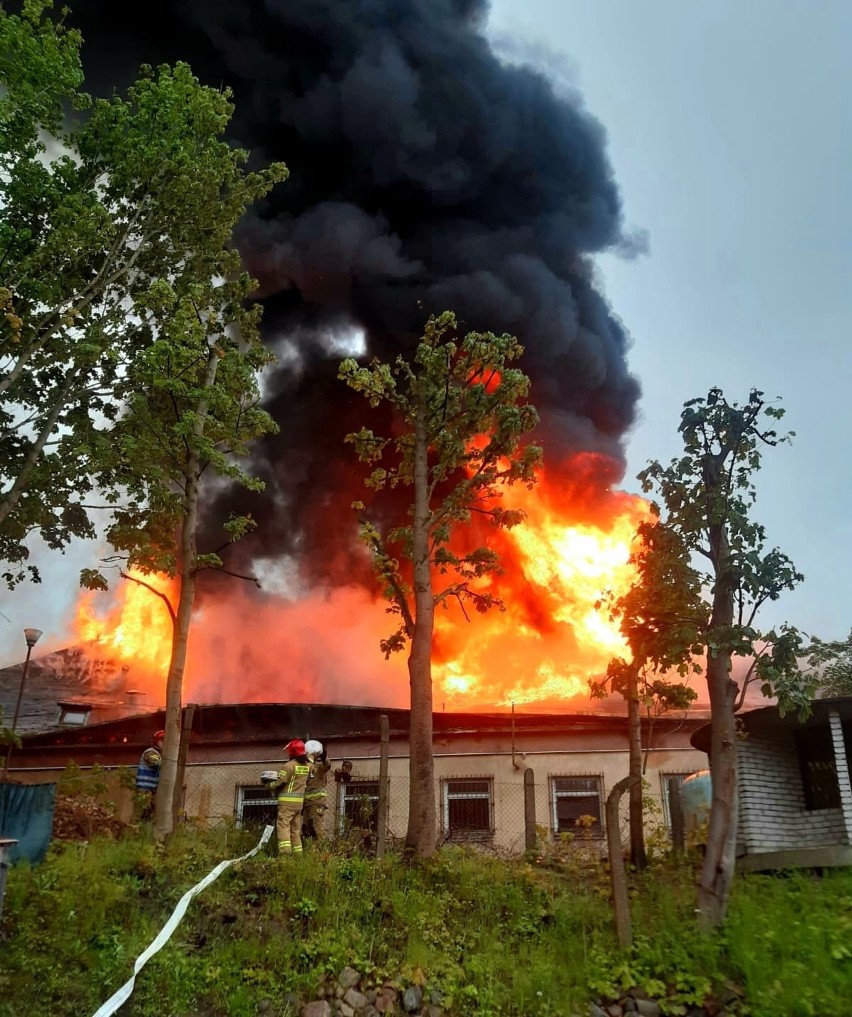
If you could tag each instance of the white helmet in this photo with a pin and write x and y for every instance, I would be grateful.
(313, 747)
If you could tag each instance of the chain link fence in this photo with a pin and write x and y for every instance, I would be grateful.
(529, 810)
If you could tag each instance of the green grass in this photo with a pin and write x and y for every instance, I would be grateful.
(498, 938)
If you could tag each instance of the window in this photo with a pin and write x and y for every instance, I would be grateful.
(573, 800)
(818, 767)
(666, 795)
(256, 806)
(73, 714)
(358, 803)
(467, 806)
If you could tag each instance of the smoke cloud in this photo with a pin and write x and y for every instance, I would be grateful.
(425, 175)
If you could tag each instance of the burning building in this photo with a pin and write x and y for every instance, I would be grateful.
(426, 174)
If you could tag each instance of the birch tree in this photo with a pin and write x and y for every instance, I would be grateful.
(460, 412)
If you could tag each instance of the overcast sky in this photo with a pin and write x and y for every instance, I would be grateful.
(730, 131)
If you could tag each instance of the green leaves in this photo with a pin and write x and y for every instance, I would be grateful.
(460, 415)
(709, 494)
(114, 229)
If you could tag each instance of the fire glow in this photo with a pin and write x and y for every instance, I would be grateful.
(542, 649)
(134, 631)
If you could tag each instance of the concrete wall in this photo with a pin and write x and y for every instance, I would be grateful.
(773, 816)
(212, 788)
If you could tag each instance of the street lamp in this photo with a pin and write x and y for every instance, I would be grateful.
(32, 636)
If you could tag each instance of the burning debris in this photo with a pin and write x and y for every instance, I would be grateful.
(425, 175)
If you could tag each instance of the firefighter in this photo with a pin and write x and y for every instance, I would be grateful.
(315, 805)
(290, 790)
(148, 776)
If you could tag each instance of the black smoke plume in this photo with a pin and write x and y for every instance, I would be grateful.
(425, 175)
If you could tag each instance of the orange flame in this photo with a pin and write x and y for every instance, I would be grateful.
(135, 632)
(542, 649)
(551, 639)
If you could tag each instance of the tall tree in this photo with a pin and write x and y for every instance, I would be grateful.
(831, 662)
(662, 618)
(189, 396)
(96, 213)
(709, 493)
(461, 412)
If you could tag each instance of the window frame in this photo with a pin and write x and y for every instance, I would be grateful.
(447, 795)
(596, 832)
(818, 796)
(241, 801)
(664, 795)
(346, 793)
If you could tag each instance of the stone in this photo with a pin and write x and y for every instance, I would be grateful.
(412, 999)
(347, 1010)
(615, 1010)
(370, 1011)
(347, 978)
(319, 1008)
(434, 1011)
(436, 997)
(386, 999)
(371, 996)
(647, 1008)
(629, 1005)
(355, 999)
(595, 1011)
(290, 999)
(339, 991)
(264, 1006)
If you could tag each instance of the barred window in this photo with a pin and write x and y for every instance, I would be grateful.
(468, 805)
(573, 799)
(256, 806)
(818, 768)
(358, 802)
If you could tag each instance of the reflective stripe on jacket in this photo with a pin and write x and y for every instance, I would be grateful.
(315, 789)
(292, 779)
(147, 775)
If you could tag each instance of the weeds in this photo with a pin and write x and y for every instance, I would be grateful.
(499, 939)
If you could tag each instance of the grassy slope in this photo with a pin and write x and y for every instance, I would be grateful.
(496, 937)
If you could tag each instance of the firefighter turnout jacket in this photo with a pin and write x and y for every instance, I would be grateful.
(315, 789)
(292, 781)
(148, 770)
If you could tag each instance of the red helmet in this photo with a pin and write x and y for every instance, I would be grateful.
(159, 736)
(295, 748)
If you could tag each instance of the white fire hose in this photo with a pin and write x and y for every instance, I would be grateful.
(165, 934)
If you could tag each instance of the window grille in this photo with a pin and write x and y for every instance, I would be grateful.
(573, 799)
(468, 807)
(358, 803)
(256, 806)
(818, 768)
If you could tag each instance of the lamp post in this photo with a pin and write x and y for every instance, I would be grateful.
(32, 636)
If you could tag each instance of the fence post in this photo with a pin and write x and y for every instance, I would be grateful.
(382, 818)
(5, 844)
(529, 810)
(618, 876)
(179, 799)
(676, 815)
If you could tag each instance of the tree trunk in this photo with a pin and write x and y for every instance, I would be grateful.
(717, 873)
(188, 557)
(634, 734)
(421, 835)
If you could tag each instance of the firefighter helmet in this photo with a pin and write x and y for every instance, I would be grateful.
(159, 736)
(295, 748)
(313, 747)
